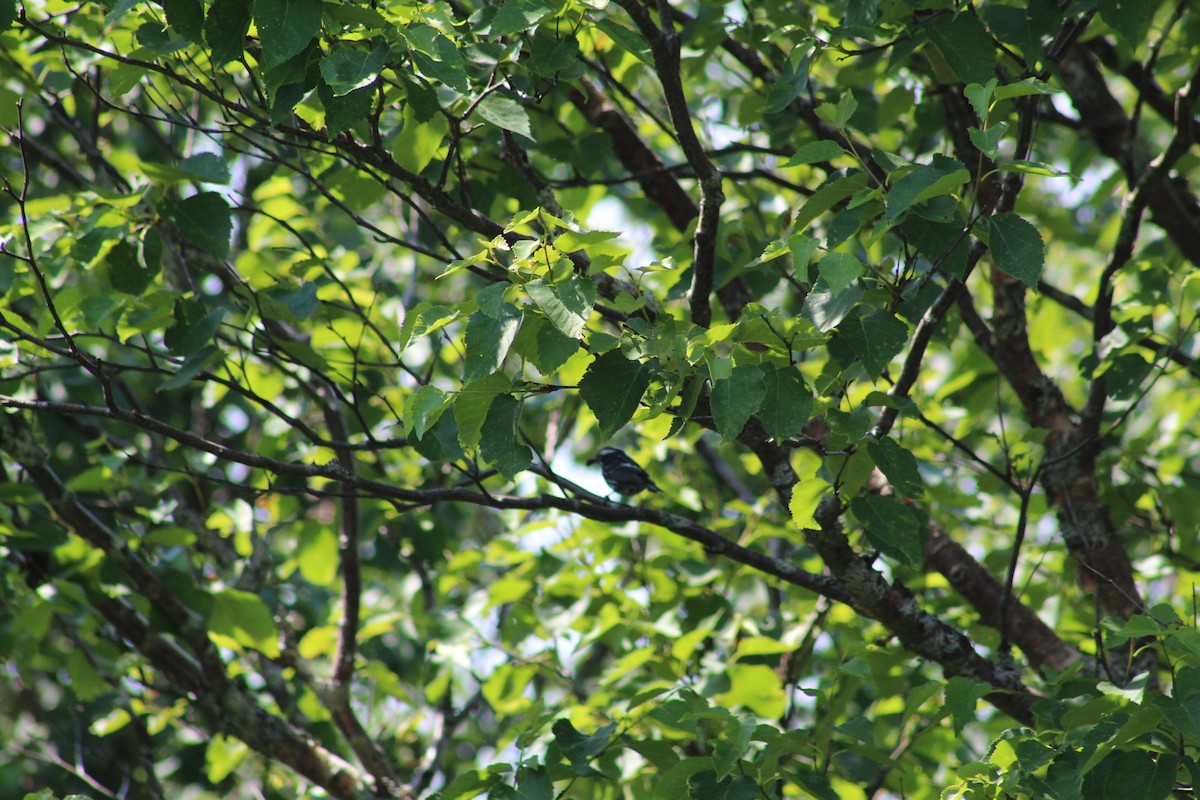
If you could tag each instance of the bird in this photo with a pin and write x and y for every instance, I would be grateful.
(622, 473)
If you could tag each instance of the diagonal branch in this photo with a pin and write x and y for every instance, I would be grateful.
(214, 690)
(1173, 205)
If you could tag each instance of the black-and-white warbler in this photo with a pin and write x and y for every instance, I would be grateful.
(621, 472)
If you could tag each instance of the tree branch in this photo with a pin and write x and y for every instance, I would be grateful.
(215, 692)
(665, 45)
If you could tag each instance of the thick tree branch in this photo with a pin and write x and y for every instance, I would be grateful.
(889, 602)
(1173, 204)
(977, 586)
(654, 179)
(584, 503)
(665, 45)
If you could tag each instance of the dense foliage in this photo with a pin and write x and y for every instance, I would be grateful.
(313, 312)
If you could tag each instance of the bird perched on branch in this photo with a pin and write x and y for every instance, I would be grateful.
(622, 473)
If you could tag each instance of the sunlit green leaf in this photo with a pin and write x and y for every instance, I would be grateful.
(352, 68)
(504, 112)
(244, 617)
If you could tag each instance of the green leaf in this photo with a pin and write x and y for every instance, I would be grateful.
(419, 142)
(943, 243)
(839, 270)
(774, 249)
(876, 340)
(1137, 775)
(424, 319)
(988, 141)
(1129, 18)
(573, 241)
(756, 687)
(1024, 87)
(499, 443)
(422, 410)
(827, 310)
(193, 328)
(943, 177)
(962, 694)
(787, 403)
(555, 57)
(468, 784)
(225, 29)
(567, 303)
(791, 81)
(123, 78)
(317, 553)
(491, 300)
(351, 68)
(516, 16)
(504, 112)
(344, 113)
(735, 398)
(822, 150)
(543, 345)
(1017, 248)
(205, 220)
(186, 18)
(891, 527)
(980, 98)
(578, 748)
(289, 300)
(687, 405)
(488, 339)
(437, 57)
(612, 387)
(205, 167)
(472, 405)
(10, 354)
(440, 443)
(1032, 168)
(287, 83)
(631, 41)
(816, 784)
(125, 271)
(965, 44)
(839, 115)
(705, 786)
(85, 682)
(1182, 714)
(245, 618)
(223, 754)
(286, 27)
(192, 366)
(899, 465)
(826, 197)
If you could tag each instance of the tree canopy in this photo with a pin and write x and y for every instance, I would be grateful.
(312, 313)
